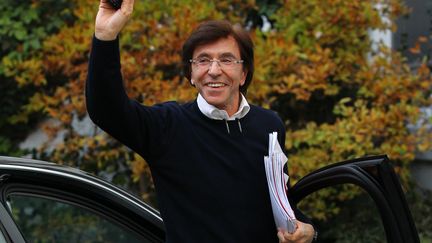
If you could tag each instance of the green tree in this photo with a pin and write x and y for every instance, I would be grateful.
(340, 98)
(23, 27)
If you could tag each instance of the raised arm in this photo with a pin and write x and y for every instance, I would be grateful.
(108, 105)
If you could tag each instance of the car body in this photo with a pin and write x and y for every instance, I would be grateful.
(46, 202)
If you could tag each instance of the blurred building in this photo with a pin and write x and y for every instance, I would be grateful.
(414, 39)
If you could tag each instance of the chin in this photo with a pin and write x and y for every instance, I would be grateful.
(215, 102)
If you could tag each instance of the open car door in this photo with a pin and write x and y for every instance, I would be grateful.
(45, 202)
(374, 175)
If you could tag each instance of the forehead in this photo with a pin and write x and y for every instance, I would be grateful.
(222, 46)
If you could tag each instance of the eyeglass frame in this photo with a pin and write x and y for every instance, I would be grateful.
(218, 61)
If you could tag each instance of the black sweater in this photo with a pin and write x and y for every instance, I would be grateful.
(210, 183)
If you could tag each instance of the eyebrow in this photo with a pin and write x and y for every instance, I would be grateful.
(225, 54)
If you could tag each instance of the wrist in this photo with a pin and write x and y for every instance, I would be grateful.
(105, 36)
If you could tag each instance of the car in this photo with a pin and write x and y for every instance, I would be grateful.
(47, 202)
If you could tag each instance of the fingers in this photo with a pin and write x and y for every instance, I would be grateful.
(105, 4)
(109, 21)
(303, 233)
(285, 237)
(127, 5)
(281, 236)
(126, 9)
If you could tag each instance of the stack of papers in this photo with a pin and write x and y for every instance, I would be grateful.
(277, 182)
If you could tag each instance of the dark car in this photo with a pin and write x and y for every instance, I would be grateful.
(46, 202)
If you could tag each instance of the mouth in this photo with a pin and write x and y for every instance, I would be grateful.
(215, 85)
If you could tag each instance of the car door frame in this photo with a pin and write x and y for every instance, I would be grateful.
(377, 177)
(26, 176)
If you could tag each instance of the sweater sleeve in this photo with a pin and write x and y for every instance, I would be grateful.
(110, 108)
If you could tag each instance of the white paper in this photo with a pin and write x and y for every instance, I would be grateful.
(277, 180)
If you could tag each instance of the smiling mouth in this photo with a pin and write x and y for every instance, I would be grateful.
(216, 85)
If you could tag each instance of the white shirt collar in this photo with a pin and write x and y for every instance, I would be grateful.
(212, 112)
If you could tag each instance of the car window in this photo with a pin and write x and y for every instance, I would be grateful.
(353, 220)
(42, 219)
(2, 238)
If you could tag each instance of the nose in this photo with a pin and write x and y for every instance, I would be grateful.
(214, 69)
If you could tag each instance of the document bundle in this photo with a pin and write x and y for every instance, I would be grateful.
(277, 182)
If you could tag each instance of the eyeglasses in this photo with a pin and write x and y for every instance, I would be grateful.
(206, 62)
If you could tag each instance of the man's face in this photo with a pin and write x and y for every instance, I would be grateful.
(217, 83)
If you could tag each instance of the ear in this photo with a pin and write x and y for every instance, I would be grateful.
(192, 82)
(243, 80)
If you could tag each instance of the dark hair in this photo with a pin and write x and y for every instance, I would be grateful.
(213, 30)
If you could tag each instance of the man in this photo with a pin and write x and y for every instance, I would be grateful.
(206, 156)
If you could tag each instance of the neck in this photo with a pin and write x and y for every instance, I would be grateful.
(232, 107)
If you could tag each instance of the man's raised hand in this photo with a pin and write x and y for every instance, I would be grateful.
(109, 21)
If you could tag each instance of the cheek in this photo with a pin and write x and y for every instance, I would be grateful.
(196, 75)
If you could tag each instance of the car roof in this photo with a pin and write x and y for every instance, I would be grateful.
(82, 178)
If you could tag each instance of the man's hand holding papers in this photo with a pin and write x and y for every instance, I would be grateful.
(301, 235)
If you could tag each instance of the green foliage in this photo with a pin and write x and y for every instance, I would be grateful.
(339, 98)
(348, 231)
(23, 27)
(7, 148)
(26, 24)
(421, 208)
(346, 225)
(47, 220)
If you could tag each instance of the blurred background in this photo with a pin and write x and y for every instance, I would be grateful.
(349, 78)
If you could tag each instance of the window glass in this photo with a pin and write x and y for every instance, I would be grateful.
(2, 238)
(47, 220)
(342, 217)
